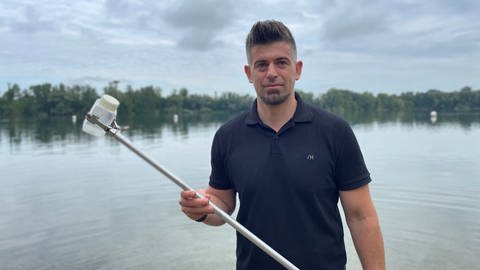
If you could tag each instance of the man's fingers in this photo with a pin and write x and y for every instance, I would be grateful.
(191, 194)
(188, 194)
(193, 203)
(193, 206)
(194, 211)
(197, 212)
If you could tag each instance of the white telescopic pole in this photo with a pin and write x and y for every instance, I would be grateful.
(218, 211)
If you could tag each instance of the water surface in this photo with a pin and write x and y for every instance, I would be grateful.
(70, 201)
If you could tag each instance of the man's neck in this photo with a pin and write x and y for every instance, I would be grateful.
(275, 116)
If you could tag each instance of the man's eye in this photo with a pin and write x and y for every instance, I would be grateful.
(261, 66)
(282, 63)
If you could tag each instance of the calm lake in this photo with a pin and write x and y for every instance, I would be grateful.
(72, 201)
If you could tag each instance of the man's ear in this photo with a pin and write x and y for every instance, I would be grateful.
(248, 72)
(299, 66)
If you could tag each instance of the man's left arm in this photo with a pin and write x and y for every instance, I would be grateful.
(364, 227)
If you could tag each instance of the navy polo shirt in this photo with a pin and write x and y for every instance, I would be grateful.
(288, 184)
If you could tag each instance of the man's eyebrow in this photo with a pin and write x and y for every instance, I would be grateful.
(276, 59)
(282, 58)
(261, 61)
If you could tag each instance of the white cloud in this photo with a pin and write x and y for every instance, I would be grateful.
(364, 45)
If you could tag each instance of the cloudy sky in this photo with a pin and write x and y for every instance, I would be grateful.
(389, 46)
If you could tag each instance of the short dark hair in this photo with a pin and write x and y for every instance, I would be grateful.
(265, 32)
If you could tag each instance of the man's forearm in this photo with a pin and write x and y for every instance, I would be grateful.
(368, 241)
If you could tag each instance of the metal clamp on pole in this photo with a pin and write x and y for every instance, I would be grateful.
(97, 116)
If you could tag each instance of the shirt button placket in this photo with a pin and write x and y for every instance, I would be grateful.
(275, 145)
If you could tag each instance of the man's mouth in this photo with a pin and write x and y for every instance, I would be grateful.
(272, 86)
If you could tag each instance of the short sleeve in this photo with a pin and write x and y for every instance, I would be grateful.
(350, 169)
(219, 177)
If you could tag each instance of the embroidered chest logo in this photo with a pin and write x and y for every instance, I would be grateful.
(310, 157)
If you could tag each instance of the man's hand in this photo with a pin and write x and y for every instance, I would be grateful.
(193, 206)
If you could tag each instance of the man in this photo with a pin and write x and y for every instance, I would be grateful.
(290, 163)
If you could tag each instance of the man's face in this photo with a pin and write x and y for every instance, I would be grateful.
(273, 71)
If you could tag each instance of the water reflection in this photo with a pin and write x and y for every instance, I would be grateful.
(72, 202)
(50, 130)
(464, 120)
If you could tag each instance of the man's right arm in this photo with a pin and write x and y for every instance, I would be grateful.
(195, 208)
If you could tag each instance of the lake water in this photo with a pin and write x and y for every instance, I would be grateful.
(70, 201)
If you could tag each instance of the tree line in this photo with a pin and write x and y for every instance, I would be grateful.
(345, 101)
(44, 100)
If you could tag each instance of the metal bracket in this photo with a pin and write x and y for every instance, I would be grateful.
(113, 128)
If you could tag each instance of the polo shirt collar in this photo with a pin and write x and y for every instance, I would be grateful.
(302, 113)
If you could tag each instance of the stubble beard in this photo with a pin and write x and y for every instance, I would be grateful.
(275, 98)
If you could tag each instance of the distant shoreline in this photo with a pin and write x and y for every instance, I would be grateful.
(44, 100)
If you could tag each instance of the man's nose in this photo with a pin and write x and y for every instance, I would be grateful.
(271, 71)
